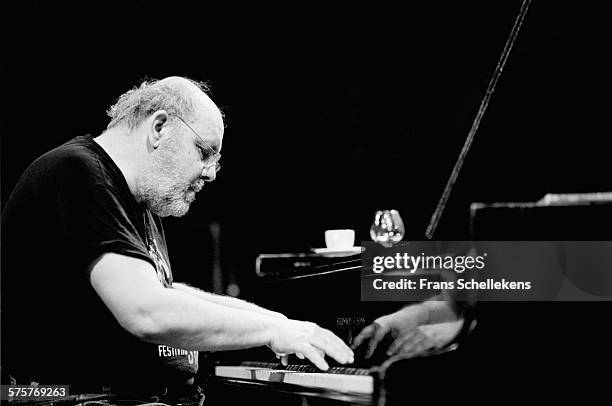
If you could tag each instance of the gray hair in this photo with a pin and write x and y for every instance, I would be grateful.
(134, 106)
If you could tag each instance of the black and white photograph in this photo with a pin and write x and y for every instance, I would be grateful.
(304, 204)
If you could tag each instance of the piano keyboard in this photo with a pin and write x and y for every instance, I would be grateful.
(354, 380)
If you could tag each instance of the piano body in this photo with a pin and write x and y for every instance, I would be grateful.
(326, 291)
(529, 337)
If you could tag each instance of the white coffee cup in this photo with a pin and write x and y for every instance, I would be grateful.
(339, 239)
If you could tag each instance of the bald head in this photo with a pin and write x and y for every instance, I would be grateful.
(176, 95)
(205, 112)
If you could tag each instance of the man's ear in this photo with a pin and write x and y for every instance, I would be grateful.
(158, 127)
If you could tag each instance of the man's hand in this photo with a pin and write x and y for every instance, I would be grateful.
(410, 338)
(308, 340)
(428, 337)
(402, 325)
(284, 358)
(425, 338)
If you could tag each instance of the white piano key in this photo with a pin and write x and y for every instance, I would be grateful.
(339, 382)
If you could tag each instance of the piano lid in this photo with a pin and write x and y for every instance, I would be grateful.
(300, 265)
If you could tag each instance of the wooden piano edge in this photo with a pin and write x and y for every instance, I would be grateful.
(378, 397)
(292, 389)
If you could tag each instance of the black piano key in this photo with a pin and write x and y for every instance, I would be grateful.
(306, 368)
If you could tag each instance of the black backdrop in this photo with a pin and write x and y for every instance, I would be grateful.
(331, 112)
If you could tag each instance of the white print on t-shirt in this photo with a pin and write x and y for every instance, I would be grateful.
(162, 268)
(165, 351)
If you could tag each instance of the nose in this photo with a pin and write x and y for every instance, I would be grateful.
(209, 173)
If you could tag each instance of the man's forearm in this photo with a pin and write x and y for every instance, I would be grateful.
(224, 300)
(182, 320)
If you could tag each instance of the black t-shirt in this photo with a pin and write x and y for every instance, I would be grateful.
(70, 206)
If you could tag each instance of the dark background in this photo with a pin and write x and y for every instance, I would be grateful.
(332, 112)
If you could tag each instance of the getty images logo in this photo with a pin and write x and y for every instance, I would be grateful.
(411, 263)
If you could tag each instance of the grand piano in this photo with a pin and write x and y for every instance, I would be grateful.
(325, 290)
(532, 338)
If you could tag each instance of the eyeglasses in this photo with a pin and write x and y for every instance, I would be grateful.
(208, 154)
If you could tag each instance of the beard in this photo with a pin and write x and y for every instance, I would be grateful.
(162, 188)
(165, 198)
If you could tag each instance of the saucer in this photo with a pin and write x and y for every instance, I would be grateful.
(338, 252)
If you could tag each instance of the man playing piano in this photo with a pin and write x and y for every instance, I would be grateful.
(88, 296)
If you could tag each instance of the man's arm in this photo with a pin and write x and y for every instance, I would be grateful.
(225, 300)
(404, 324)
(131, 291)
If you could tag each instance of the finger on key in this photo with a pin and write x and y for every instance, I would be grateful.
(314, 356)
(365, 333)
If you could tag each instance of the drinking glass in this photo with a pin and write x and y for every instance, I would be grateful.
(387, 228)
